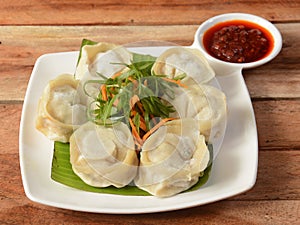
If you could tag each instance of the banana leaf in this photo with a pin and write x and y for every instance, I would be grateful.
(62, 172)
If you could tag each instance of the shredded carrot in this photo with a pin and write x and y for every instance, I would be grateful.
(153, 129)
(134, 82)
(131, 79)
(133, 100)
(140, 106)
(103, 87)
(135, 133)
(143, 124)
(116, 74)
(133, 113)
(142, 121)
(104, 93)
(140, 109)
(175, 81)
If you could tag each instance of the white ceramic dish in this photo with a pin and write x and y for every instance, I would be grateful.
(234, 169)
(224, 68)
(233, 172)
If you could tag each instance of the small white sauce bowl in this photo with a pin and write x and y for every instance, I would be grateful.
(226, 68)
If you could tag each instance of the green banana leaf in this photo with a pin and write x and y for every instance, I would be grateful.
(62, 173)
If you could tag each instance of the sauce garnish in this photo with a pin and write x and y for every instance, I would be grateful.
(238, 41)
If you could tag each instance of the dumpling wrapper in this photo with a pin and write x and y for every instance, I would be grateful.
(103, 58)
(103, 156)
(178, 60)
(172, 159)
(60, 110)
(204, 103)
(199, 100)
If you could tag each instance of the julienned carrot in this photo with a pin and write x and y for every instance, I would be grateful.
(140, 106)
(133, 100)
(116, 74)
(174, 81)
(104, 93)
(143, 124)
(133, 113)
(142, 120)
(103, 87)
(134, 82)
(153, 129)
(135, 133)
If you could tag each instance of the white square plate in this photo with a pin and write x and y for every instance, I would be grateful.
(234, 170)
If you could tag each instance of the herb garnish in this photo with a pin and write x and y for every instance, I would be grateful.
(135, 97)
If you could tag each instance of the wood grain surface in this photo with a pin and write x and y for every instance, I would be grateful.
(29, 29)
(155, 12)
(21, 46)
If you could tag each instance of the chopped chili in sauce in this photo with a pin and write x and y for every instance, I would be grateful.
(238, 41)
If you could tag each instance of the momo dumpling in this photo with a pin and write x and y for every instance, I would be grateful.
(212, 120)
(172, 159)
(60, 110)
(103, 156)
(103, 58)
(179, 60)
(206, 104)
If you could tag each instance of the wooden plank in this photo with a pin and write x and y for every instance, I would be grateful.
(276, 180)
(21, 46)
(137, 12)
(278, 123)
(277, 176)
(10, 115)
(225, 212)
(281, 77)
(13, 209)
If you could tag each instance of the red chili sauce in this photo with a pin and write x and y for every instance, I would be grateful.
(238, 41)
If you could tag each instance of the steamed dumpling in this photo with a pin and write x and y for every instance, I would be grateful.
(172, 159)
(103, 156)
(204, 103)
(178, 60)
(60, 110)
(103, 58)
(212, 120)
(199, 100)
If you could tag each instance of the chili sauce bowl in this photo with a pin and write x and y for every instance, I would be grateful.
(224, 67)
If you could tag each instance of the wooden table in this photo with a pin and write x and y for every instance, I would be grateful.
(32, 28)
